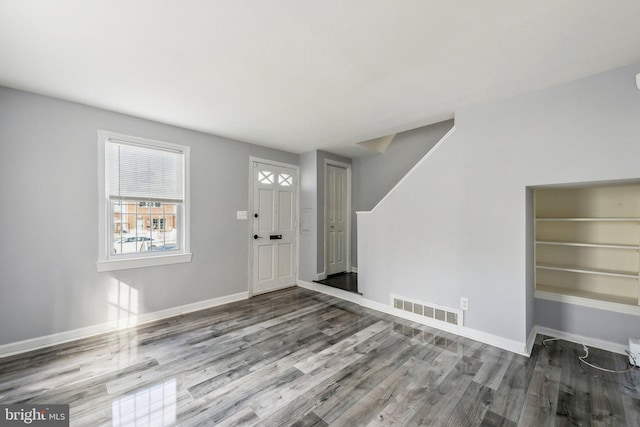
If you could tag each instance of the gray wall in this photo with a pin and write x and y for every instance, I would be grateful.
(49, 190)
(312, 197)
(586, 321)
(375, 174)
(308, 246)
(458, 226)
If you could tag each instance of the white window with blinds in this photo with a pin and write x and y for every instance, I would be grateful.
(144, 206)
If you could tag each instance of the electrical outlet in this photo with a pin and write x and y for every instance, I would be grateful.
(464, 303)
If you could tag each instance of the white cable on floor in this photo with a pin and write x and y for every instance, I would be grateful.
(586, 354)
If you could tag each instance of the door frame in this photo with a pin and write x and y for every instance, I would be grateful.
(251, 211)
(347, 166)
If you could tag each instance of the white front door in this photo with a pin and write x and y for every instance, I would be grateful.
(274, 227)
(336, 219)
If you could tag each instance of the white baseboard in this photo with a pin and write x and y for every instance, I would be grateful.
(506, 344)
(494, 340)
(334, 292)
(579, 339)
(354, 270)
(89, 331)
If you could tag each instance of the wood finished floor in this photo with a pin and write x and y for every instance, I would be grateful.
(296, 357)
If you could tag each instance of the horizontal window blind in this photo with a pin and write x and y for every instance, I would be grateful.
(139, 172)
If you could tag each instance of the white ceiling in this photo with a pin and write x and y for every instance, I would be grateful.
(303, 75)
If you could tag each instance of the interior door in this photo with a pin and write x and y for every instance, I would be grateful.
(335, 219)
(274, 226)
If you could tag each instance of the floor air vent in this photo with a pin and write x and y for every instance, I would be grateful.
(425, 312)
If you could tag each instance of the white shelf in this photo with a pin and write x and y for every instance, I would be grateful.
(588, 245)
(590, 234)
(588, 219)
(588, 299)
(573, 269)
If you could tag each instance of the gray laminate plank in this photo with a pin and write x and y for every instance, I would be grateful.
(317, 369)
(297, 357)
(491, 419)
(65, 384)
(574, 405)
(137, 408)
(360, 378)
(243, 418)
(365, 374)
(224, 401)
(254, 344)
(510, 395)
(206, 381)
(310, 420)
(607, 407)
(441, 402)
(366, 409)
(539, 407)
(627, 383)
(341, 348)
(494, 366)
(471, 407)
(301, 409)
(631, 410)
(229, 400)
(424, 376)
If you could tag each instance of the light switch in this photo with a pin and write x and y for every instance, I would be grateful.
(241, 214)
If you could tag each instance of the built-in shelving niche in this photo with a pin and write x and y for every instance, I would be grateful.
(587, 245)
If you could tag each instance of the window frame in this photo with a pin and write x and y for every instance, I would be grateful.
(110, 262)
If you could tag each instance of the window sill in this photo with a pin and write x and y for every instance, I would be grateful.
(124, 264)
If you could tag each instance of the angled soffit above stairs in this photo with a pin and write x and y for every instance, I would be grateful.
(379, 145)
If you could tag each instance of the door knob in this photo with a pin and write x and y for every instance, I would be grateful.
(255, 215)
(255, 236)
